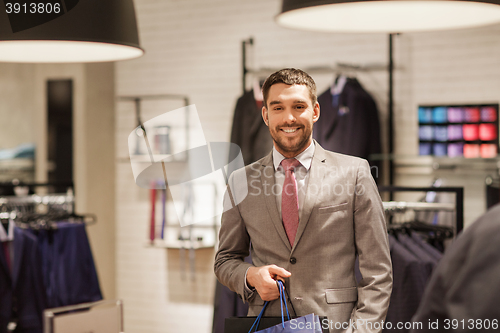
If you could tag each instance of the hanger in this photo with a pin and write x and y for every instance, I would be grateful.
(257, 89)
(431, 231)
(339, 84)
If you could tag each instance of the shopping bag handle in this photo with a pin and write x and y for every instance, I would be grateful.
(259, 317)
(281, 288)
(291, 304)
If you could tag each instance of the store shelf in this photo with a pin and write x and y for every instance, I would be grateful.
(18, 164)
(22, 169)
(414, 164)
(145, 158)
(179, 244)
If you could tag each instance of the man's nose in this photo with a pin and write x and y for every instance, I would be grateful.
(289, 117)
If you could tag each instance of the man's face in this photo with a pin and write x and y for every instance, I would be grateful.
(290, 116)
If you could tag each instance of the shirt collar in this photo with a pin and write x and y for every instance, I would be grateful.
(305, 158)
(7, 235)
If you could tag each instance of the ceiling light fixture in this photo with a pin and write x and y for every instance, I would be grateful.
(387, 15)
(68, 31)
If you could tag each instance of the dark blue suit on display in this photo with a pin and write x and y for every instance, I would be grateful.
(429, 249)
(68, 266)
(24, 287)
(409, 279)
(427, 260)
(349, 123)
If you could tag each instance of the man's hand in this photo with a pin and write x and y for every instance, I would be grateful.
(263, 279)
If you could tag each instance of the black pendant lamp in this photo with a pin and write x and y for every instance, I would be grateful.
(61, 31)
(387, 15)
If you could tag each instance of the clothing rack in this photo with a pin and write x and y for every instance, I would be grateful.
(338, 68)
(35, 211)
(458, 207)
(37, 199)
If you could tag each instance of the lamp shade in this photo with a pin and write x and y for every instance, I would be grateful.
(69, 31)
(387, 15)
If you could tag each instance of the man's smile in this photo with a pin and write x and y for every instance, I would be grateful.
(289, 130)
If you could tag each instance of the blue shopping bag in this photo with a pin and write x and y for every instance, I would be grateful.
(304, 324)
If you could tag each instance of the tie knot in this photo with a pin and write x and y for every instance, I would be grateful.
(289, 164)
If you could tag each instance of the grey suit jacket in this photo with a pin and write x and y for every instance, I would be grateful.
(342, 217)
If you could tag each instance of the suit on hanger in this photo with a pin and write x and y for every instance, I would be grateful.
(428, 262)
(409, 285)
(68, 266)
(349, 124)
(249, 132)
(333, 228)
(23, 287)
(431, 250)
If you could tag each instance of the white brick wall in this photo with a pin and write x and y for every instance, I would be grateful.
(193, 47)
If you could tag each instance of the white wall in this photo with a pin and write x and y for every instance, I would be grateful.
(193, 47)
(16, 109)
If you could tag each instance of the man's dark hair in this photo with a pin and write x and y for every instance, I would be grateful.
(290, 76)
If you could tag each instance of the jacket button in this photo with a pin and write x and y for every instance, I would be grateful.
(293, 261)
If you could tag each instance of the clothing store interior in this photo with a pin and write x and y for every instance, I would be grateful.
(90, 226)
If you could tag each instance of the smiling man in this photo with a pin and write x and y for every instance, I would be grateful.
(308, 233)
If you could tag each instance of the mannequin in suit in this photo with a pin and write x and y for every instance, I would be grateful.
(340, 216)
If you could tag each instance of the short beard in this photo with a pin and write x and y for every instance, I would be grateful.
(303, 141)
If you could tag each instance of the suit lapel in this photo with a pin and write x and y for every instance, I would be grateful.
(316, 175)
(267, 178)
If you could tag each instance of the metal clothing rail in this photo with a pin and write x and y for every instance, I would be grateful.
(401, 206)
(68, 184)
(31, 198)
(459, 198)
(48, 199)
(23, 209)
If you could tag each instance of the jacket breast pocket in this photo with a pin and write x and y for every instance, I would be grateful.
(331, 209)
(342, 295)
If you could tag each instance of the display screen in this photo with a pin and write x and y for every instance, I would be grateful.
(469, 131)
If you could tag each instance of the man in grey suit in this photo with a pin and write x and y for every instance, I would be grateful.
(306, 215)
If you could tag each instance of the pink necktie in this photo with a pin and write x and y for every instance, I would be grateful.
(289, 199)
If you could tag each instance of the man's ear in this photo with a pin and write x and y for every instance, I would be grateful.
(316, 112)
(265, 116)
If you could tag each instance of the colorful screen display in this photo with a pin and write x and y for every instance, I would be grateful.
(469, 131)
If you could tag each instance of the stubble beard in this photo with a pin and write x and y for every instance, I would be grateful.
(283, 142)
